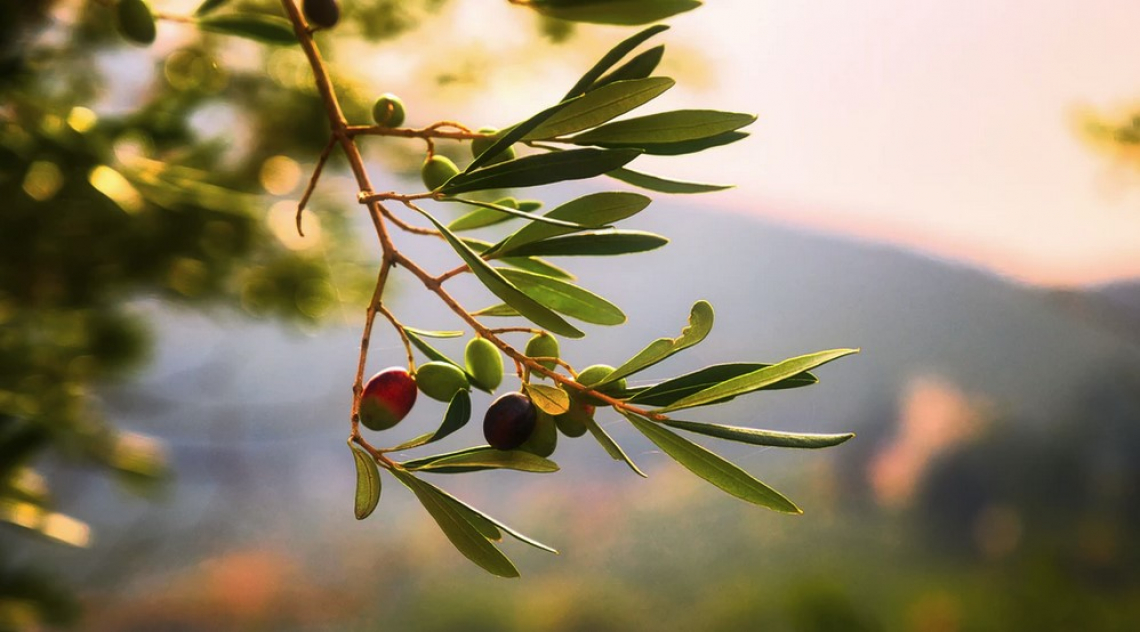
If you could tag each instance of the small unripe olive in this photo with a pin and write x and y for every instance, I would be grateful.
(509, 421)
(441, 380)
(484, 363)
(596, 373)
(322, 13)
(544, 438)
(136, 21)
(387, 398)
(388, 111)
(437, 170)
(572, 423)
(480, 145)
(543, 345)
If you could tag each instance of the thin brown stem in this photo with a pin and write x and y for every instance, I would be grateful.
(426, 133)
(403, 336)
(313, 181)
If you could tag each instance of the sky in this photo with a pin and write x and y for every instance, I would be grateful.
(944, 126)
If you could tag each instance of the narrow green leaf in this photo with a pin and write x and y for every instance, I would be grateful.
(680, 147)
(755, 436)
(458, 528)
(511, 295)
(594, 210)
(612, 448)
(612, 57)
(538, 266)
(593, 244)
(539, 169)
(682, 386)
(600, 105)
(566, 298)
(208, 6)
(666, 127)
(700, 324)
(550, 399)
(641, 66)
(367, 483)
(506, 210)
(482, 217)
(713, 468)
(502, 310)
(758, 379)
(457, 415)
(482, 458)
(513, 134)
(255, 26)
(431, 352)
(663, 185)
(618, 12)
(434, 334)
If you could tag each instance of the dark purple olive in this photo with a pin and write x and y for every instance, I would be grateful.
(322, 13)
(509, 421)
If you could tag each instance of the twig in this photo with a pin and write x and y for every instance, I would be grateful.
(313, 181)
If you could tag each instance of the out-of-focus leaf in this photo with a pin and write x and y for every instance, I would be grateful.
(613, 56)
(642, 65)
(367, 483)
(458, 528)
(593, 244)
(506, 210)
(511, 295)
(663, 185)
(550, 399)
(529, 171)
(612, 448)
(755, 436)
(208, 6)
(700, 324)
(600, 105)
(682, 386)
(594, 210)
(666, 127)
(255, 26)
(680, 147)
(713, 468)
(566, 298)
(482, 458)
(619, 12)
(758, 379)
(434, 334)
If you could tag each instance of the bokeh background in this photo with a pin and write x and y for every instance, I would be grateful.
(952, 187)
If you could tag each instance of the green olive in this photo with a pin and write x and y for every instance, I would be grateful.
(544, 438)
(484, 363)
(480, 145)
(388, 111)
(572, 423)
(441, 380)
(136, 21)
(543, 345)
(437, 170)
(592, 375)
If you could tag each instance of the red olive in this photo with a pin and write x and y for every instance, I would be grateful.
(388, 397)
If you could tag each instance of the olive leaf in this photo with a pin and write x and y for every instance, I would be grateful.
(642, 65)
(593, 211)
(367, 483)
(618, 12)
(754, 436)
(612, 448)
(663, 185)
(758, 379)
(700, 324)
(551, 400)
(511, 295)
(713, 468)
(267, 29)
(506, 210)
(592, 243)
(539, 169)
(666, 127)
(671, 390)
(500, 310)
(434, 334)
(482, 458)
(677, 148)
(599, 105)
(208, 6)
(565, 298)
(613, 56)
(511, 135)
(482, 217)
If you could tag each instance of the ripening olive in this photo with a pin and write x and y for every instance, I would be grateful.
(437, 170)
(480, 145)
(322, 13)
(388, 111)
(544, 438)
(484, 363)
(136, 21)
(543, 345)
(387, 398)
(509, 421)
(441, 380)
(592, 375)
(572, 423)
